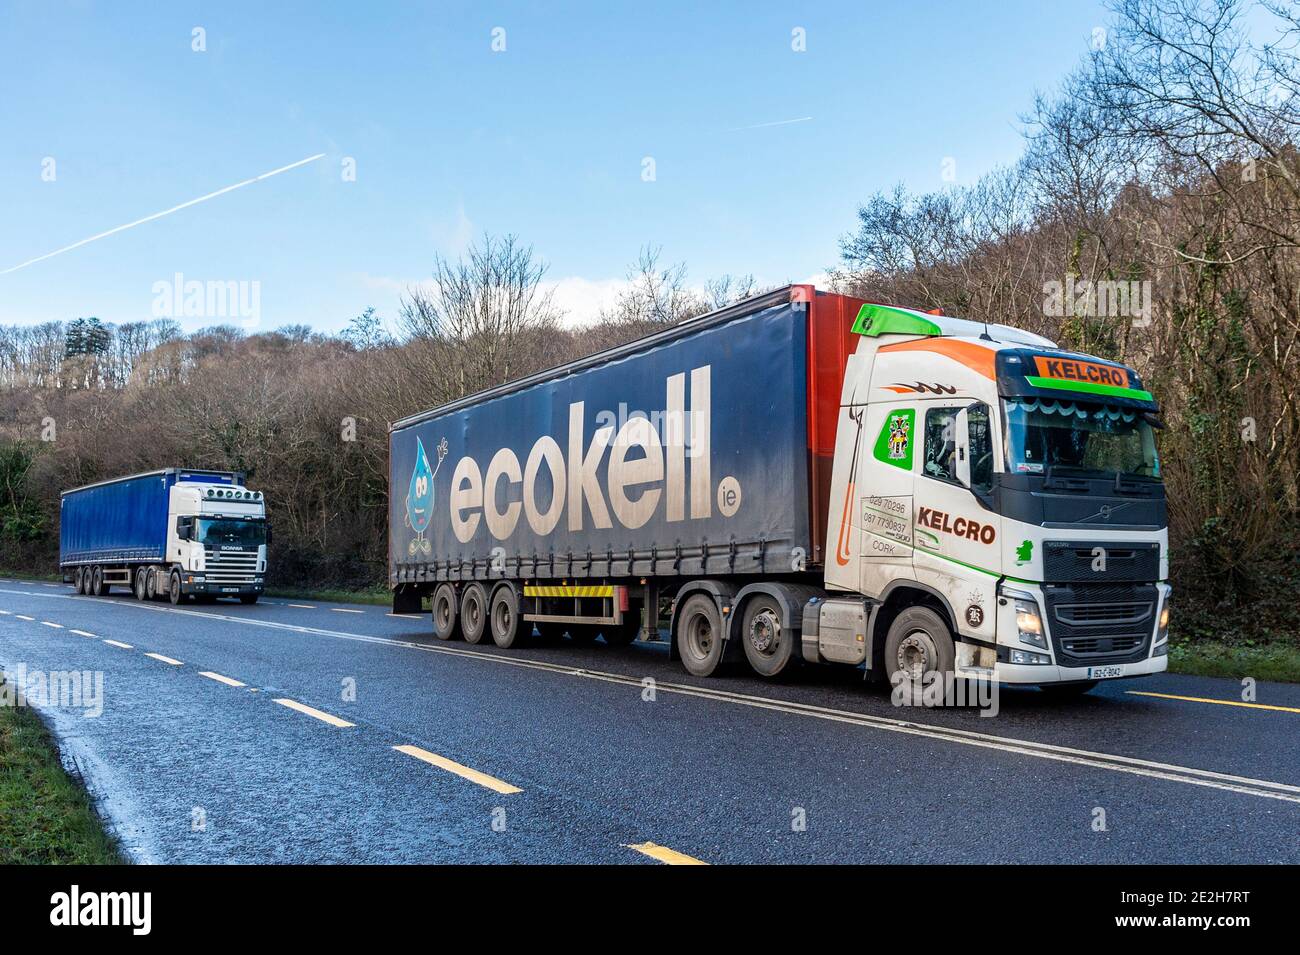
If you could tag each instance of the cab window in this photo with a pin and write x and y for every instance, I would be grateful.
(940, 449)
(981, 449)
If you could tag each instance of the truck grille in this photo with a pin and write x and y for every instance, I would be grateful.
(1093, 624)
(1074, 561)
(230, 567)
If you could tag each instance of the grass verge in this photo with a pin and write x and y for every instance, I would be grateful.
(45, 815)
(1273, 662)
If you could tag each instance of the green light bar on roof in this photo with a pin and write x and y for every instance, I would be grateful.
(876, 320)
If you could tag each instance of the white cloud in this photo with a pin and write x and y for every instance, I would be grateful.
(582, 299)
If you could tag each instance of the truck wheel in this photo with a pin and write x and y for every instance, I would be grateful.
(97, 586)
(77, 583)
(768, 649)
(151, 584)
(175, 590)
(141, 592)
(446, 623)
(918, 645)
(473, 613)
(699, 635)
(507, 629)
(1065, 691)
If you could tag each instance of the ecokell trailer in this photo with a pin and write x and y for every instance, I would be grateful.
(801, 477)
(176, 533)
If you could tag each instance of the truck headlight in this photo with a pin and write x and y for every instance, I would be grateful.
(1030, 624)
(1031, 659)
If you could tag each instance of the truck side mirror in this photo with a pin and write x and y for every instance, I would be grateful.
(961, 440)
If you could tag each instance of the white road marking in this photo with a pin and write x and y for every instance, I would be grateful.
(345, 610)
(408, 616)
(6, 612)
(221, 679)
(321, 715)
(47, 623)
(84, 633)
(23, 616)
(115, 643)
(302, 606)
(1263, 788)
(159, 656)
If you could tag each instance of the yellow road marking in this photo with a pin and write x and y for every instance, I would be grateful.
(303, 606)
(345, 610)
(56, 626)
(159, 656)
(221, 679)
(318, 714)
(665, 855)
(83, 633)
(1206, 699)
(23, 616)
(473, 775)
(115, 643)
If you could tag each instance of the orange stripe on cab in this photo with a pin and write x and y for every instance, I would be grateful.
(975, 357)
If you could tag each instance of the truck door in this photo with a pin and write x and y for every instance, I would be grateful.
(956, 531)
(874, 544)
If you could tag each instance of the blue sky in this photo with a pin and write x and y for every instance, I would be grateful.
(546, 139)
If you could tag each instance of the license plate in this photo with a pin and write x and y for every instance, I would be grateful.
(1105, 673)
(230, 590)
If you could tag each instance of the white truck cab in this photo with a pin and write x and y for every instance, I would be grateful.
(216, 540)
(1015, 486)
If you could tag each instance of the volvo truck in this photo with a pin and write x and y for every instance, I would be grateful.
(177, 534)
(803, 477)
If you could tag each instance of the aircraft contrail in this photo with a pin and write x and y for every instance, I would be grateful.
(779, 122)
(165, 212)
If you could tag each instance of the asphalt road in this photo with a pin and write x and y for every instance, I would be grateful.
(555, 753)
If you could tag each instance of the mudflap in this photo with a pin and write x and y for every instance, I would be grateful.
(407, 598)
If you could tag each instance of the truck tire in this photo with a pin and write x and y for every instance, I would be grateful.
(699, 635)
(151, 584)
(78, 581)
(97, 586)
(446, 619)
(919, 644)
(768, 648)
(473, 613)
(507, 629)
(141, 580)
(174, 589)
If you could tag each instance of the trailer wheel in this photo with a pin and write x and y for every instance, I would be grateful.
(446, 623)
(919, 645)
(768, 648)
(97, 586)
(699, 635)
(78, 584)
(507, 629)
(174, 592)
(473, 613)
(141, 591)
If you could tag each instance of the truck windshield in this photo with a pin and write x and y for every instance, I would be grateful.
(1078, 436)
(226, 531)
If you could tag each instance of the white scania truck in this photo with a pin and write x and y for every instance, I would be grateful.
(177, 533)
(803, 476)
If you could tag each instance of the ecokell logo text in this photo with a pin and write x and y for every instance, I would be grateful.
(643, 471)
(75, 907)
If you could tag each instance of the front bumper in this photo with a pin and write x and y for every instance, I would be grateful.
(218, 589)
(1050, 673)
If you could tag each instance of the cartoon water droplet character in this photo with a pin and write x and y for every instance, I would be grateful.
(420, 497)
